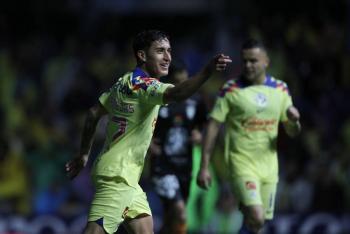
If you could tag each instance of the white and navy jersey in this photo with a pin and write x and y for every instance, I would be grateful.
(173, 130)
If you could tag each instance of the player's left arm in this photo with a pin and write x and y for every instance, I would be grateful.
(292, 126)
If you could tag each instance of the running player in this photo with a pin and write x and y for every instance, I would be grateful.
(132, 106)
(251, 108)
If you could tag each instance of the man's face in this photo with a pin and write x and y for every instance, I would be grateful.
(158, 58)
(255, 62)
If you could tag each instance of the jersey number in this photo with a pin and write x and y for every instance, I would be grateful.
(122, 123)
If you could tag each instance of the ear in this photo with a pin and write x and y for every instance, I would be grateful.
(141, 55)
(267, 62)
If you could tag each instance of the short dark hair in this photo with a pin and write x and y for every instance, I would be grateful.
(144, 39)
(252, 43)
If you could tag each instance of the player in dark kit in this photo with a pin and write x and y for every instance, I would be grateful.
(178, 128)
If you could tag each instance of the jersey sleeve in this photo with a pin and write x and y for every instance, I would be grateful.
(150, 90)
(103, 99)
(220, 109)
(286, 102)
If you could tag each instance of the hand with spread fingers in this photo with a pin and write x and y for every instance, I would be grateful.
(74, 166)
(220, 62)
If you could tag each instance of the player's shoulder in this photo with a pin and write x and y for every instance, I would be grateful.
(230, 86)
(133, 81)
(140, 80)
(277, 84)
(274, 82)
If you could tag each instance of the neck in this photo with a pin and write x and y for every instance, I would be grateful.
(149, 74)
(258, 81)
(143, 68)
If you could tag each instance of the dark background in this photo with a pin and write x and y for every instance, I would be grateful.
(57, 57)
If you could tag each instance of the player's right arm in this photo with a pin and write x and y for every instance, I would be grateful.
(187, 88)
(203, 176)
(292, 126)
(290, 115)
(94, 114)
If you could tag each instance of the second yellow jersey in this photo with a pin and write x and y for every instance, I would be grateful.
(251, 114)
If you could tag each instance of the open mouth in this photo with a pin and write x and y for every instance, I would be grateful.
(164, 66)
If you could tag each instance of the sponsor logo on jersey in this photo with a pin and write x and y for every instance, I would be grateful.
(122, 107)
(124, 89)
(256, 124)
(250, 185)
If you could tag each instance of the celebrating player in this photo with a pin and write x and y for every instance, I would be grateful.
(132, 106)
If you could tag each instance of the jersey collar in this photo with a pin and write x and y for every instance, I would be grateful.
(242, 83)
(139, 72)
(269, 81)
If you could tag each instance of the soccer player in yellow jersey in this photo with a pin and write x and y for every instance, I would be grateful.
(132, 106)
(251, 108)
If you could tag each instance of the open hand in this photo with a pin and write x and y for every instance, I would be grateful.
(74, 166)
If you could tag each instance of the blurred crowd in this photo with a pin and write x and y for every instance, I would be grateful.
(48, 81)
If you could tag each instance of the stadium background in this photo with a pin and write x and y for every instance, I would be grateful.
(56, 57)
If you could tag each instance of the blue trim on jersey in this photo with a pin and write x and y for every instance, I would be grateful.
(138, 72)
(100, 222)
(270, 82)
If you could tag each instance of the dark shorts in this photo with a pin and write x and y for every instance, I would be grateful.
(172, 187)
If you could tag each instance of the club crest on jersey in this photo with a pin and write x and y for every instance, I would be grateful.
(260, 100)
